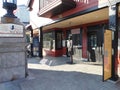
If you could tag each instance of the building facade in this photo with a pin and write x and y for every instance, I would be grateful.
(88, 21)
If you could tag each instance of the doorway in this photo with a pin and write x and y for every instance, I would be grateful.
(92, 44)
(95, 44)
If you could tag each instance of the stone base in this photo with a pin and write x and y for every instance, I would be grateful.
(13, 64)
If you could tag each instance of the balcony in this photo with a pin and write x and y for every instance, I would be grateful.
(56, 7)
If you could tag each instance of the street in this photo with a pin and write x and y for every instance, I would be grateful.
(54, 74)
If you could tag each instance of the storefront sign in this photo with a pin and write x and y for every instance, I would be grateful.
(11, 30)
(107, 54)
(75, 31)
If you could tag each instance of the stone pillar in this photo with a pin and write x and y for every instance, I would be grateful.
(13, 64)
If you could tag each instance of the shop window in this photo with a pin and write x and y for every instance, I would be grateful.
(93, 41)
(76, 39)
(49, 40)
(58, 40)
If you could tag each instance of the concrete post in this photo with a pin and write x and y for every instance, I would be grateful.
(13, 63)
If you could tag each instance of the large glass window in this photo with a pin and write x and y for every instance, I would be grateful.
(77, 39)
(52, 40)
(59, 40)
(93, 40)
(49, 40)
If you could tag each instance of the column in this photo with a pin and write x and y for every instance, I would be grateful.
(40, 43)
(113, 25)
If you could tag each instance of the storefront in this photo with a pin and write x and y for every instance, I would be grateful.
(52, 42)
(87, 42)
(87, 28)
(95, 41)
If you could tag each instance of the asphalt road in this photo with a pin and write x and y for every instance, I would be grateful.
(54, 74)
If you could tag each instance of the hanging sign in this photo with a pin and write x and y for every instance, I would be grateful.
(107, 54)
(11, 30)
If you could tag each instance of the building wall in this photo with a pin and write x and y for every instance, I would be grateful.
(80, 6)
(83, 5)
(84, 43)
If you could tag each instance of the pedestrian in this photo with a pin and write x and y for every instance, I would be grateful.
(70, 48)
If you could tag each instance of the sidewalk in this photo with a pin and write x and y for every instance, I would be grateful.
(54, 74)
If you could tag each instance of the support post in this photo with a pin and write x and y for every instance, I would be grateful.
(40, 43)
(113, 25)
(31, 40)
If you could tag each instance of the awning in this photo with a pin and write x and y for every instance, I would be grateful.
(82, 18)
(91, 17)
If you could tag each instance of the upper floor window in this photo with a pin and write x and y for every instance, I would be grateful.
(43, 3)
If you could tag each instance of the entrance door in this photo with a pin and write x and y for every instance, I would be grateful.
(95, 43)
(95, 48)
(107, 66)
(92, 43)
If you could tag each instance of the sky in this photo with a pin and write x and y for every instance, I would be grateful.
(34, 19)
(3, 11)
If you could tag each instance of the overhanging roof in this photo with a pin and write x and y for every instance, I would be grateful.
(98, 15)
(56, 7)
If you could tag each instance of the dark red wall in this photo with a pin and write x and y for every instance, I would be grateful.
(55, 53)
(81, 5)
(84, 43)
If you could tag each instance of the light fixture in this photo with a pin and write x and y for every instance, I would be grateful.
(10, 6)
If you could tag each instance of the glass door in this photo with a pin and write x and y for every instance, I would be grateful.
(92, 44)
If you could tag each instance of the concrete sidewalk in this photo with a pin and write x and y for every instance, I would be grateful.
(54, 74)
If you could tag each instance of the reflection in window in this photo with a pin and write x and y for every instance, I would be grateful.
(77, 39)
(59, 40)
(93, 40)
(48, 40)
(52, 40)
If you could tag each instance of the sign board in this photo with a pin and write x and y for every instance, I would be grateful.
(75, 31)
(107, 55)
(11, 30)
